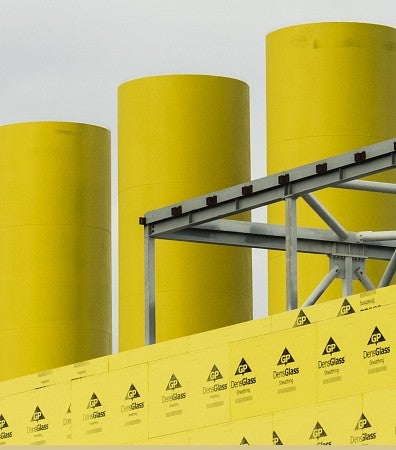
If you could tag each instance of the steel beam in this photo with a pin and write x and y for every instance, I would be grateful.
(389, 272)
(321, 287)
(273, 188)
(291, 253)
(149, 288)
(325, 215)
(364, 279)
(272, 237)
(375, 236)
(369, 186)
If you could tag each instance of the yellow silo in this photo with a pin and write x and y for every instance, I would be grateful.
(331, 88)
(181, 136)
(55, 278)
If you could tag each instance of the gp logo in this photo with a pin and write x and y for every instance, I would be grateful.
(331, 347)
(94, 402)
(132, 394)
(362, 423)
(173, 383)
(318, 432)
(301, 320)
(243, 367)
(285, 357)
(376, 337)
(346, 308)
(37, 415)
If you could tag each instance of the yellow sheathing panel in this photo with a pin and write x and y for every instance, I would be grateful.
(129, 404)
(232, 333)
(250, 377)
(330, 89)
(181, 136)
(228, 392)
(330, 423)
(344, 306)
(91, 410)
(291, 362)
(377, 347)
(378, 407)
(55, 278)
(171, 405)
(140, 355)
(252, 431)
(338, 358)
(36, 417)
(211, 386)
(182, 438)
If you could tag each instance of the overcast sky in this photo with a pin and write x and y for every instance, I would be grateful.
(63, 59)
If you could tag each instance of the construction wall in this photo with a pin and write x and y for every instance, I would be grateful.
(325, 374)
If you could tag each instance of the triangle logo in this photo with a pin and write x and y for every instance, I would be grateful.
(346, 308)
(243, 368)
(276, 439)
(214, 374)
(94, 402)
(244, 441)
(376, 336)
(37, 415)
(318, 432)
(362, 423)
(331, 347)
(3, 422)
(301, 320)
(173, 383)
(285, 358)
(132, 393)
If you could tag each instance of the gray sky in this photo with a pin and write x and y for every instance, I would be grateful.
(63, 60)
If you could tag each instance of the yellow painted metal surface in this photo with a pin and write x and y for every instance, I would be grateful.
(181, 136)
(55, 276)
(330, 88)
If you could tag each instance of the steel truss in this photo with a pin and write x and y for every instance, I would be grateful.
(201, 220)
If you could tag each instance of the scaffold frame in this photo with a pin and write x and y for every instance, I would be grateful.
(201, 219)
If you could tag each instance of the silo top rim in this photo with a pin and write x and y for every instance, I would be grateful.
(332, 23)
(183, 75)
(54, 123)
(321, 35)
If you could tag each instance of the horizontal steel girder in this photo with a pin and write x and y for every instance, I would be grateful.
(272, 237)
(263, 191)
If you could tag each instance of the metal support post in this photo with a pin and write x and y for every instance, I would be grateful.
(364, 279)
(321, 287)
(149, 287)
(325, 215)
(347, 281)
(291, 254)
(389, 272)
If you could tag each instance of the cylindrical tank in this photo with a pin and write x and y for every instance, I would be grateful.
(55, 277)
(181, 136)
(331, 88)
